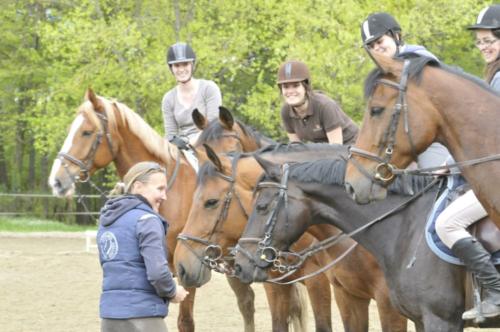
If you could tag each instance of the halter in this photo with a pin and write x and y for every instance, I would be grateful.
(212, 254)
(86, 164)
(384, 171)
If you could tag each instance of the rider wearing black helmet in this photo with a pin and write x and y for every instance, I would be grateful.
(308, 115)
(487, 30)
(381, 33)
(452, 223)
(189, 93)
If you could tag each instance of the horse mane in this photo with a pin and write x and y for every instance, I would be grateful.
(153, 142)
(300, 146)
(417, 65)
(332, 172)
(215, 130)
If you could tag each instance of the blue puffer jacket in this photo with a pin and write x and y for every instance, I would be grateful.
(133, 255)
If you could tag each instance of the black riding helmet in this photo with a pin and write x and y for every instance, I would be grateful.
(488, 18)
(378, 24)
(180, 52)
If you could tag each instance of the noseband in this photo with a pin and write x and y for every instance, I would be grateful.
(212, 254)
(384, 171)
(85, 165)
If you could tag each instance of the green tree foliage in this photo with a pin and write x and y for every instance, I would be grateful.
(51, 51)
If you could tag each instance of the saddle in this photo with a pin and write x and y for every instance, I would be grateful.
(484, 230)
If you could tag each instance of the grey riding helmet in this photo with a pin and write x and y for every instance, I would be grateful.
(180, 52)
(488, 18)
(378, 24)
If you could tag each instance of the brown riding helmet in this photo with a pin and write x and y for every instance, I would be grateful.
(293, 71)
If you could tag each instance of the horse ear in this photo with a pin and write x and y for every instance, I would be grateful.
(201, 154)
(387, 64)
(212, 156)
(226, 118)
(199, 119)
(273, 170)
(96, 102)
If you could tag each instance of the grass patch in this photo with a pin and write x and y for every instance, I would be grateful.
(26, 224)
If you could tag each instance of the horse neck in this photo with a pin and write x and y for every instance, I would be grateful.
(469, 129)
(388, 240)
(467, 113)
(131, 150)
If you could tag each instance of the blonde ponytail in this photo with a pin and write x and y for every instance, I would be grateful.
(139, 172)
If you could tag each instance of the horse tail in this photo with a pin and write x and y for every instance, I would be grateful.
(298, 308)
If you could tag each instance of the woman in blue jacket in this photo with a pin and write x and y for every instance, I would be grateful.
(137, 283)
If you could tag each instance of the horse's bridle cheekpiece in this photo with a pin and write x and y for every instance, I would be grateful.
(385, 171)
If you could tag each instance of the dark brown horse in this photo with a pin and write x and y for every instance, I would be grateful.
(105, 131)
(356, 280)
(411, 106)
(423, 287)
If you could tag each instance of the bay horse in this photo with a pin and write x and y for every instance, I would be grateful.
(106, 131)
(414, 103)
(286, 303)
(426, 289)
(356, 279)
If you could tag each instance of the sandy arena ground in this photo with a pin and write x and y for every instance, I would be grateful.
(52, 284)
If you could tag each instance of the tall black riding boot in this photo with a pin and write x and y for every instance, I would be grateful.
(478, 261)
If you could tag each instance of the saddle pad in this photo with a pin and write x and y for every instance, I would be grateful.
(433, 240)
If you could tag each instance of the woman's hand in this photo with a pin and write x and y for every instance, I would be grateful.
(179, 295)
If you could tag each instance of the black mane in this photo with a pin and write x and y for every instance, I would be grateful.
(417, 64)
(332, 172)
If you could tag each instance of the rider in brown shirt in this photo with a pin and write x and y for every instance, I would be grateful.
(308, 115)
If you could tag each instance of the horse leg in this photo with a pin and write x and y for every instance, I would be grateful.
(320, 296)
(391, 319)
(185, 321)
(278, 297)
(245, 296)
(298, 314)
(353, 310)
(438, 324)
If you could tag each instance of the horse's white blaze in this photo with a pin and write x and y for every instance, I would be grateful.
(65, 148)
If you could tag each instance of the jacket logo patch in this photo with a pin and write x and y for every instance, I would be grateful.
(317, 128)
(108, 245)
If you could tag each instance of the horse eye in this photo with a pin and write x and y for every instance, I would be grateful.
(211, 203)
(87, 133)
(262, 207)
(376, 110)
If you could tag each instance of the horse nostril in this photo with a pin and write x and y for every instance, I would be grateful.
(350, 190)
(181, 272)
(237, 269)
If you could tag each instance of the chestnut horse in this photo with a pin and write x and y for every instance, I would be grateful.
(423, 287)
(105, 131)
(409, 107)
(356, 280)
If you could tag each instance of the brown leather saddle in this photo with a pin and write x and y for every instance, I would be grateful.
(487, 233)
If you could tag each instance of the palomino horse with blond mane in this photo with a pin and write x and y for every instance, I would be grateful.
(105, 131)
(218, 216)
(414, 103)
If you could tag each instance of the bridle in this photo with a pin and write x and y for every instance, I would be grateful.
(212, 255)
(86, 164)
(385, 171)
(266, 254)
